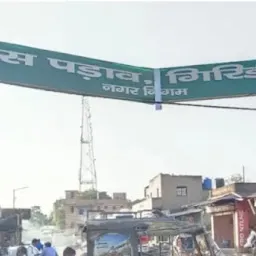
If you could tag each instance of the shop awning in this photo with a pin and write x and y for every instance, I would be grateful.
(228, 197)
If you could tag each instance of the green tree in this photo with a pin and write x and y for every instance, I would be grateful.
(234, 178)
(38, 217)
(94, 194)
(90, 194)
(60, 218)
(58, 215)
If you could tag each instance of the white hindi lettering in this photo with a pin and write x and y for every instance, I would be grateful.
(181, 91)
(88, 71)
(62, 65)
(123, 75)
(95, 71)
(120, 89)
(250, 72)
(229, 71)
(17, 57)
(182, 75)
(149, 90)
(218, 73)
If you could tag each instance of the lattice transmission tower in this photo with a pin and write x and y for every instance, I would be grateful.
(87, 170)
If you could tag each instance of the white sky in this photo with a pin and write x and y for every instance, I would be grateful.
(39, 131)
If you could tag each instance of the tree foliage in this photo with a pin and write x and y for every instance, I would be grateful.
(94, 194)
(58, 215)
(38, 217)
(235, 178)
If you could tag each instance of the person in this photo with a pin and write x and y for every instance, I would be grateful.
(68, 251)
(39, 245)
(251, 239)
(5, 246)
(32, 249)
(48, 250)
(22, 250)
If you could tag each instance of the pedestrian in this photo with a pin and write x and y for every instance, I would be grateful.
(39, 245)
(32, 249)
(21, 251)
(68, 251)
(48, 250)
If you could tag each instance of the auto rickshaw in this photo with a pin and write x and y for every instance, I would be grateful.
(121, 237)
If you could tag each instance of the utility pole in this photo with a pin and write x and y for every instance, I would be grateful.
(87, 176)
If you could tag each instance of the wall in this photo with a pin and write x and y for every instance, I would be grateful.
(154, 189)
(164, 186)
(245, 188)
(169, 190)
(73, 207)
(147, 204)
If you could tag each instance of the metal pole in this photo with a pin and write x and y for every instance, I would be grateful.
(243, 174)
(13, 198)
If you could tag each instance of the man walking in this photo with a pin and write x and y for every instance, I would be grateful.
(49, 250)
(32, 249)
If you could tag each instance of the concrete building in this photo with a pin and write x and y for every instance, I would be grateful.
(167, 191)
(76, 206)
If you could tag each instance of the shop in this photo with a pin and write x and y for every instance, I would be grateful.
(231, 209)
(232, 212)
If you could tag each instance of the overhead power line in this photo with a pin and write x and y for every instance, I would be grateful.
(211, 106)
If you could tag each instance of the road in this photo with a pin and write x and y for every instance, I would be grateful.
(58, 240)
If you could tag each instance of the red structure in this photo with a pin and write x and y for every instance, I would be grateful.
(231, 208)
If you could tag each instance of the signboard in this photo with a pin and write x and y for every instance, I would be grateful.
(220, 208)
(59, 72)
(112, 244)
(242, 222)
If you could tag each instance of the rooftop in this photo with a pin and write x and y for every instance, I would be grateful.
(176, 175)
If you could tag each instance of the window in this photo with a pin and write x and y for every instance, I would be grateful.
(81, 211)
(121, 207)
(72, 194)
(114, 207)
(72, 209)
(105, 207)
(98, 208)
(181, 191)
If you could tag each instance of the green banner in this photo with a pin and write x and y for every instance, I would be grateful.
(60, 72)
(211, 81)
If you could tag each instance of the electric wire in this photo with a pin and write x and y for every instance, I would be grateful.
(212, 106)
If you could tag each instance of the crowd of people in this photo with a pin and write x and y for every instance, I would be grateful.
(36, 248)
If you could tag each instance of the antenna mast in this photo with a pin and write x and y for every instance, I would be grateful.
(87, 171)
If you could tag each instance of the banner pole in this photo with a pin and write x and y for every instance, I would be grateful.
(157, 85)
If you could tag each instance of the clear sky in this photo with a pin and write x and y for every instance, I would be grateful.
(39, 131)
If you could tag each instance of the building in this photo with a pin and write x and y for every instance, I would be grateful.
(76, 205)
(167, 191)
(233, 207)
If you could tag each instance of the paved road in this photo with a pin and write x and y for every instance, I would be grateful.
(59, 240)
